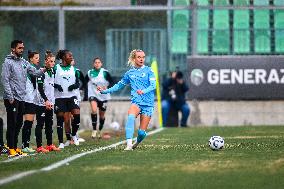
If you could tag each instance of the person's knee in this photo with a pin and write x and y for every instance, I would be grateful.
(185, 108)
(165, 104)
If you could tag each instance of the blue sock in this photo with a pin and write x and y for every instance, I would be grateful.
(141, 135)
(129, 127)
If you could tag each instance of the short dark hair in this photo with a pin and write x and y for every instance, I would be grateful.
(61, 53)
(31, 54)
(14, 43)
(97, 58)
(179, 75)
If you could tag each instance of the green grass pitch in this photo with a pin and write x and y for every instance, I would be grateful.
(174, 158)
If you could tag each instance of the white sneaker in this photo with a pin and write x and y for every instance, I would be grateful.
(61, 146)
(128, 148)
(99, 134)
(81, 140)
(67, 143)
(94, 134)
(76, 141)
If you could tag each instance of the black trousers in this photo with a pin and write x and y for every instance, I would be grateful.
(44, 120)
(15, 113)
(1, 132)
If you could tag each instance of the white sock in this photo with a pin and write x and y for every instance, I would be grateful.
(129, 142)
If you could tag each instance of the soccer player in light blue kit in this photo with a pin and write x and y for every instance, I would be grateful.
(143, 84)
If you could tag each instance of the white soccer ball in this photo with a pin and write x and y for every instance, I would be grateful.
(216, 143)
(114, 126)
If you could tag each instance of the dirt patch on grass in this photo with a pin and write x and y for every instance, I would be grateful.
(276, 165)
(112, 168)
(200, 166)
(255, 137)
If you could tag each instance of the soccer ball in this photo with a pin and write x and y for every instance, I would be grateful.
(216, 143)
(114, 126)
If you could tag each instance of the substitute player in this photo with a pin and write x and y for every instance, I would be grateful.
(30, 103)
(68, 116)
(98, 76)
(66, 82)
(45, 102)
(143, 83)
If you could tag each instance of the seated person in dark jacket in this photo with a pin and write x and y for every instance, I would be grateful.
(174, 90)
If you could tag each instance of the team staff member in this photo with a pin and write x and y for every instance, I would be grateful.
(143, 84)
(45, 102)
(14, 74)
(66, 82)
(98, 76)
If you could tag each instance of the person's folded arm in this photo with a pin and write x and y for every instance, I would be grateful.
(151, 87)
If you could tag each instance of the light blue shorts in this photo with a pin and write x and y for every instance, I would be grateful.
(146, 110)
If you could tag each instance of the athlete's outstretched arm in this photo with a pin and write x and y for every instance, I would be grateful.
(121, 84)
(114, 88)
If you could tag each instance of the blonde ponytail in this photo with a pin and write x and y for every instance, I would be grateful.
(131, 58)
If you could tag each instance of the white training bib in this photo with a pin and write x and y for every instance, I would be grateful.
(64, 76)
(95, 81)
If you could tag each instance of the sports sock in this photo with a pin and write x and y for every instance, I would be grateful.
(129, 127)
(60, 122)
(68, 135)
(141, 135)
(75, 124)
(48, 126)
(102, 122)
(129, 142)
(38, 133)
(94, 121)
(26, 133)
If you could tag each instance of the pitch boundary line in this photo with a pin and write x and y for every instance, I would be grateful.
(64, 161)
(20, 157)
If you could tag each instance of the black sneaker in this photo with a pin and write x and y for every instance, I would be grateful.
(135, 145)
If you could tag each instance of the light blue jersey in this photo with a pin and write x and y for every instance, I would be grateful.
(139, 78)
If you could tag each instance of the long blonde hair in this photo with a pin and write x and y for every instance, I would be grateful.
(131, 57)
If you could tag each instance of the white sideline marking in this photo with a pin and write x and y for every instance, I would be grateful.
(18, 157)
(16, 177)
(64, 161)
